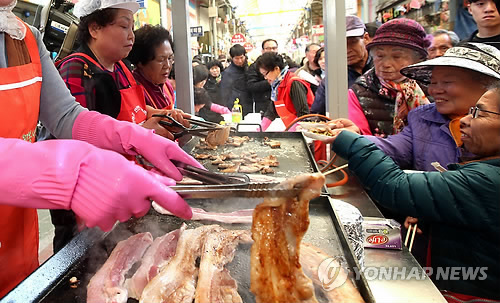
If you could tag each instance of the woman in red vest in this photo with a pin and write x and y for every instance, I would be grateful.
(96, 75)
(93, 180)
(292, 97)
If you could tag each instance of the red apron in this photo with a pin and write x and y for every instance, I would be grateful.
(20, 95)
(283, 104)
(133, 104)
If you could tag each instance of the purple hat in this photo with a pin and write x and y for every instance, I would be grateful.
(402, 32)
(354, 26)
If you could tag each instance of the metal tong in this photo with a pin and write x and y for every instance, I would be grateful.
(184, 130)
(222, 185)
(207, 124)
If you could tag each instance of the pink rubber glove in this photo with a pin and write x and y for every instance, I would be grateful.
(100, 186)
(131, 139)
(219, 109)
(265, 123)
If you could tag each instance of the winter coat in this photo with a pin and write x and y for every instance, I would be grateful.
(462, 206)
(234, 85)
(213, 89)
(259, 89)
(426, 138)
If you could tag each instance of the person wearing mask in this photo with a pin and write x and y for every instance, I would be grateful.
(307, 71)
(442, 40)
(153, 56)
(292, 97)
(256, 84)
(485, 14)
(460, 204)
(379, 100)
(87, 175)
(234, 80)
(212, 86)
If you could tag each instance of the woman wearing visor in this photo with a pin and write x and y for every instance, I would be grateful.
(86, 175)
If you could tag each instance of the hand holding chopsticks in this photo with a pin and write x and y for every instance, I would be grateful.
(409, 225)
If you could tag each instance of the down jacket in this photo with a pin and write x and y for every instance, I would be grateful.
(426, 139)
(462, 206)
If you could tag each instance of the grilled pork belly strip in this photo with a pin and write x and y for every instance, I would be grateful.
(176, 282)
(277, 230)
(107, 285)
(157, 256)
(243, 216)
(310, 259)
(215, 284)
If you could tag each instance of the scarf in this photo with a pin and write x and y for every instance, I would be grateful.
(276, 83)
(454, 127)
(10, 24)
(408, 95)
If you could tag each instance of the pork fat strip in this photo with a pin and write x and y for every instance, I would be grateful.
(176, 282)
(243, 216)
(310, 259)
(277, 230)
(215, 284)
(158, 255)
(108, 284)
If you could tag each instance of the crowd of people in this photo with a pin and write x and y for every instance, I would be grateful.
(414, 98)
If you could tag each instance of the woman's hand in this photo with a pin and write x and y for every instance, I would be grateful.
(176, 114)
(344, 124)
(410, 220)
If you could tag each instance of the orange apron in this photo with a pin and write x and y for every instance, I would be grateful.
(133, 104)
(284, 93)
(19, 108)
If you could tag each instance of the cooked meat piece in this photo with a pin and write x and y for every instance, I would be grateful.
(225, 165)
(108, 284)
(310, 259)
(241, 161)
(243, 216)
(277, 229)
(273, 143)
(237, 141)
(204, 145)
(176, 282)
(158, 255)
(219, 136)
(267, 170)
(249, 169)
(230, 156)
(217, 161)
(188, 181)
(232, 169)
(215, 284)
(201, 156)
(270, 160)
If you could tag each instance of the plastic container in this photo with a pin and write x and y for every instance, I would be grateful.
(237, 111)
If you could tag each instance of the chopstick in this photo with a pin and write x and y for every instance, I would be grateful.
(335, 169)
(412, 235)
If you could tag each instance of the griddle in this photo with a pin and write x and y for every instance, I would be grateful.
(84, 255)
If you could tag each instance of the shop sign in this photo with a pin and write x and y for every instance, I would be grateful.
(238, 38)
(248, 46)
(196, 31)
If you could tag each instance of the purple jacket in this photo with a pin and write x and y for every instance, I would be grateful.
(425, 139)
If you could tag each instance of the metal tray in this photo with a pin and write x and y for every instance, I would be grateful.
(84, 255)
(294, 156)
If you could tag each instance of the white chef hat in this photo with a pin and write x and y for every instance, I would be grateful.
(86, 7)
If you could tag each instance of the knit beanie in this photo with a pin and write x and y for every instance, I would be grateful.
(402, 32)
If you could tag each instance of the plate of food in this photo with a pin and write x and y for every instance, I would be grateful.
(316, 130)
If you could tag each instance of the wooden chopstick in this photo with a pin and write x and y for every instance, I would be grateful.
(336, 169)
(412, 235)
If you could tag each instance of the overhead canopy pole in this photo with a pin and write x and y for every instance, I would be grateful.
(183, 67)
(336, 58)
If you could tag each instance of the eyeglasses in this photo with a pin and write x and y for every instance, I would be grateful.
(266, 73)
(474, 111)
(271, 48)
(165, 60)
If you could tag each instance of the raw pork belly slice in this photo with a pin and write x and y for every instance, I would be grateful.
(108, 284)
(158, 255)
(277, 230)
(215, 284)
(176, 282)
(243, 216)
(310, 259)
